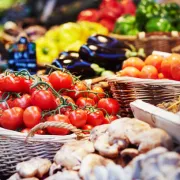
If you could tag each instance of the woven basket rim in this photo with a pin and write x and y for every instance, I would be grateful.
(158, 82)
(36, 138)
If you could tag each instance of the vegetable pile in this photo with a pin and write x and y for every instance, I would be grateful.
(150, 17)
(154, 67)
(28, 100)
(66, 37)
(108, 12)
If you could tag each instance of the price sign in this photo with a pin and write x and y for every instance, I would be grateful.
(22, 55)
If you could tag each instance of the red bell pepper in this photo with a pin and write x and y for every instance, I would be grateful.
(129, 7)
(89, 15)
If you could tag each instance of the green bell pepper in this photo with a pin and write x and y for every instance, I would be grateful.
(158, 25)
(126, 25)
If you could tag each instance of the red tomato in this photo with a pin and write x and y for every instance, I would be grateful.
(78, 117)
(79, 86)
(26, 87)
(175, 67)
(32, 116)
(133, 62)
(130, 71)
(95, 118)
(23, 102)
(166, 68)
(149, 72)
(44, 99)
(12, 118)
(11, 83)
(58, 131)
(83, 102)
(87, 128)
(60, 80)
(110, 105)
(154, 60)
(98, 93)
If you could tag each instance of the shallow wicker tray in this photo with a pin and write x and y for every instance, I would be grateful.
(15, 147)
(128, 89)
(157, 117)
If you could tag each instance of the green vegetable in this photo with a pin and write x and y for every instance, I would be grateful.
(158, 24)
(126, 25)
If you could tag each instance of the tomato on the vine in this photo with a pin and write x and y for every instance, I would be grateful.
(83, 102)
(109, 105)
(44, 99)
(78, 117)
(95, 118)
(23, 102)
(96, 94)
(32, 116)
(60, 80)
(55, 130)
(65, 110)
(12, 118)
(87, 128)
(11, 83)
(76, 90)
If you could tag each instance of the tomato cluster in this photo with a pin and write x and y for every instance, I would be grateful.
(28, 100)
(154, 67)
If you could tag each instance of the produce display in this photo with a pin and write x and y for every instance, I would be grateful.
(100, 56)
(28, 100)
(62, 74)
(108, 12)
(108, 150)
(150, 17)
(66, 37)
(154, 67)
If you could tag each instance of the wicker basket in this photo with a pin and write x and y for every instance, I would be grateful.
(150, 42)
(128, 89)
(15, 148)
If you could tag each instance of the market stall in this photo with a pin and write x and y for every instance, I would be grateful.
(91, 94)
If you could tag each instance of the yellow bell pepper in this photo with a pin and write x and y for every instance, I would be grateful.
(46, 51)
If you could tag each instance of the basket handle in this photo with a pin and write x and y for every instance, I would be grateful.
(70, 127)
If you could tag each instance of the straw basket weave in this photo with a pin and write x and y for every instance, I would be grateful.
(15, 147)
(157, 41)
(128, 89)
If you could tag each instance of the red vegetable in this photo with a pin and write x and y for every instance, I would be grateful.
(32, 116)
(89, 15)
(12, 118)
(78, 117)
(60, 80)
(110, 105)
(44, 99)
(58, 131)
(95, 118)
